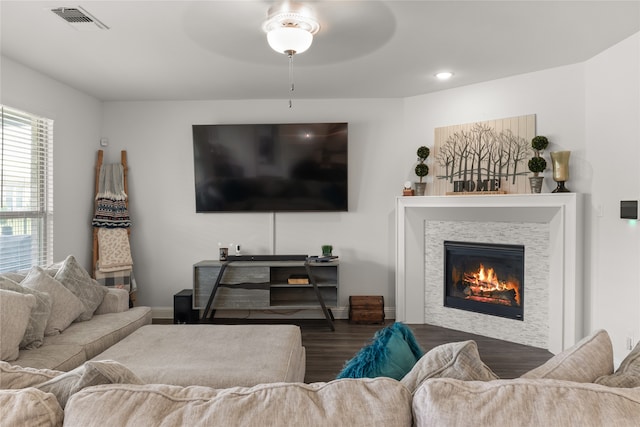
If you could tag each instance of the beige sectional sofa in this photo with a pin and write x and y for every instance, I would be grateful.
(448, 386)
(360, 402)
(59, 317)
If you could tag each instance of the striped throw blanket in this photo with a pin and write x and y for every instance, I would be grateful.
(111, 200)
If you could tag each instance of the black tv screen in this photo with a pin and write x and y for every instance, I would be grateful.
(297, 167)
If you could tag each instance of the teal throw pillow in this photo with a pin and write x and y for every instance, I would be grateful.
(392, 353)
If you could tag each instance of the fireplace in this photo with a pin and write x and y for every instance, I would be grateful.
(549, 226)
(485, 278)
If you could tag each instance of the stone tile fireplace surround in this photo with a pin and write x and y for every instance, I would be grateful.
(548, 225)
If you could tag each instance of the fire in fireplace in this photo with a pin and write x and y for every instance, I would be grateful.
(485, 278)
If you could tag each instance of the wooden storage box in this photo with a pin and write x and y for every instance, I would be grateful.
(366, 309)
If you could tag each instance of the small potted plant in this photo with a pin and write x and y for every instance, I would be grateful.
(422, 169)
(537, 163)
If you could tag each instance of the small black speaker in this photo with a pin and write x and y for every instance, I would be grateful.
(183, 311)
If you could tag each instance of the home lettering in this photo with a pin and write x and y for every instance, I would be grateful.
(479, 186)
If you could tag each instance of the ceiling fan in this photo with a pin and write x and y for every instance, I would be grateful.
(290, 27)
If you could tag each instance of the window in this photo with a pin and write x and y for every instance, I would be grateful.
(26, 190)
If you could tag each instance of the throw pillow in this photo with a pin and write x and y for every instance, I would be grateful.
(65, 307)
(89, 374)
(53, 269)
(79, 282)
(29, 407)
(392, 353)
(15, 310)
(590, 358)
(14, 376)
(458, 360)
(627, 375)
(34, 335)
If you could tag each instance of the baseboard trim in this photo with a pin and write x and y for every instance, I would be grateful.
(338, 313)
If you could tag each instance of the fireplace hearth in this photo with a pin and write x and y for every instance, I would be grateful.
(485, 278)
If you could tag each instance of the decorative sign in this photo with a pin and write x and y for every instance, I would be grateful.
(484, 157)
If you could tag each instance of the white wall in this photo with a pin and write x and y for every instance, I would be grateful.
(555, 96)
(168, 237)
(613, 153)
(76, 132)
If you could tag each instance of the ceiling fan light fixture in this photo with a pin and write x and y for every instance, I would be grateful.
(290, 27)
(289, 39)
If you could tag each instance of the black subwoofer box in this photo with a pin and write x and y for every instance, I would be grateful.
(183, 311)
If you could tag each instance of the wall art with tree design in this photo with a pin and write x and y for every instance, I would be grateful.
(489, 156)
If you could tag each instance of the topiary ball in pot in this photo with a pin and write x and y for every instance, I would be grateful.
(423, 153)
(422, 170)
(537, 165)
(539, 142)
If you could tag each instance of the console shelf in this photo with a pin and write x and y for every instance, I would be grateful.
(264, 285)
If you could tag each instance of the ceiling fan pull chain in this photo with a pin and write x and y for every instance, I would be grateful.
(292, 88)
(291, 71)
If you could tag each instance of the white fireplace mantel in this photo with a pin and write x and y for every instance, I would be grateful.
(562, 213)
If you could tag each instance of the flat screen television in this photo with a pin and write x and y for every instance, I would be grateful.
(296, 167)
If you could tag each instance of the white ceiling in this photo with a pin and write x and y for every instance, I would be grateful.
(178, 50)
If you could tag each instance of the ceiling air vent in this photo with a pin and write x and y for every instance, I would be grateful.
(79, 18)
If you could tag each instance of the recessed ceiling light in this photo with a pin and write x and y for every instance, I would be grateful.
(445, 75)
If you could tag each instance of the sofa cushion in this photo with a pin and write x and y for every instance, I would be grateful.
(89, 374)
(34, 334)
(459, 360)
(590, 358)
(51, 356)
(347, 402)
(65, 306)
(627, 375)
(79, 282)
(14, 376)
(84, 340)
(523, 402)
(102, 331)
(392, 353)
(15, 310)
(30, 407)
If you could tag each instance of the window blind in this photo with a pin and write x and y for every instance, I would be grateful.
(26, 190)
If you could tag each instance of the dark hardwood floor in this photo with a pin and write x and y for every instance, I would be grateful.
(327, 351)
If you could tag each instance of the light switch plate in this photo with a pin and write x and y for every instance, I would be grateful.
(629, 209)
